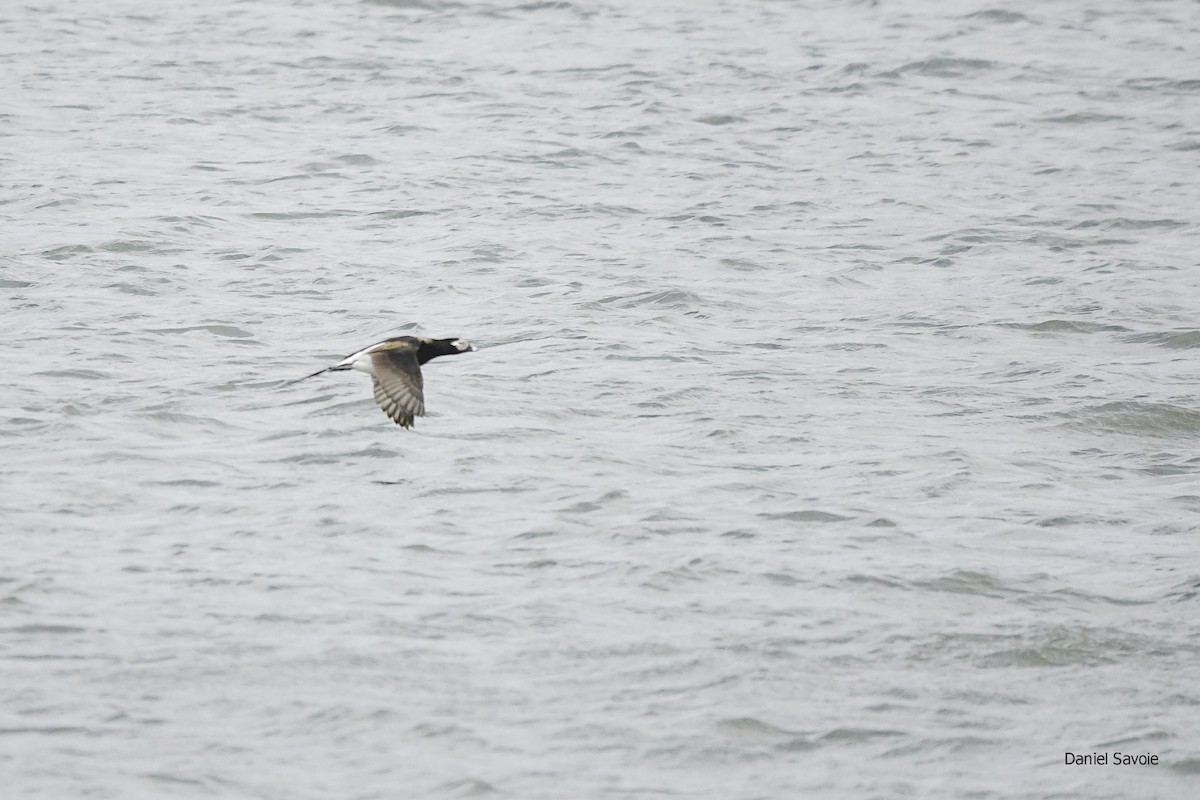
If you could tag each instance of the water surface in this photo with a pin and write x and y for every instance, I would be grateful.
(833, 431)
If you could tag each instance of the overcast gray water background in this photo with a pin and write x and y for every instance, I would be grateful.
(834, 431)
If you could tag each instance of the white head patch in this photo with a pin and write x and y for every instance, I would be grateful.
(462, 345)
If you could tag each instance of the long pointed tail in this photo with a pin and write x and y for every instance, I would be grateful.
(306, 377)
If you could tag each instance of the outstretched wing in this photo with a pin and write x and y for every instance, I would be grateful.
(399, 390)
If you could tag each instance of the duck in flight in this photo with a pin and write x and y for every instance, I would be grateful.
(395, 368)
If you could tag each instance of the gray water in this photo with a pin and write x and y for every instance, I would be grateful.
(833, 432)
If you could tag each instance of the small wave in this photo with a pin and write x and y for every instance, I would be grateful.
(1139, 419)
(1063, 326)
(948, 67)
(1000, 15)
(1083, 118)
(1172, 340)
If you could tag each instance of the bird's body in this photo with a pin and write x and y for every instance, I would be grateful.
(395, 369)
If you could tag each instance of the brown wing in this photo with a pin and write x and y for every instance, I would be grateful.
(398, 386)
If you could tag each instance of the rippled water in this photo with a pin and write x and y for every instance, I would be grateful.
(833, 431)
